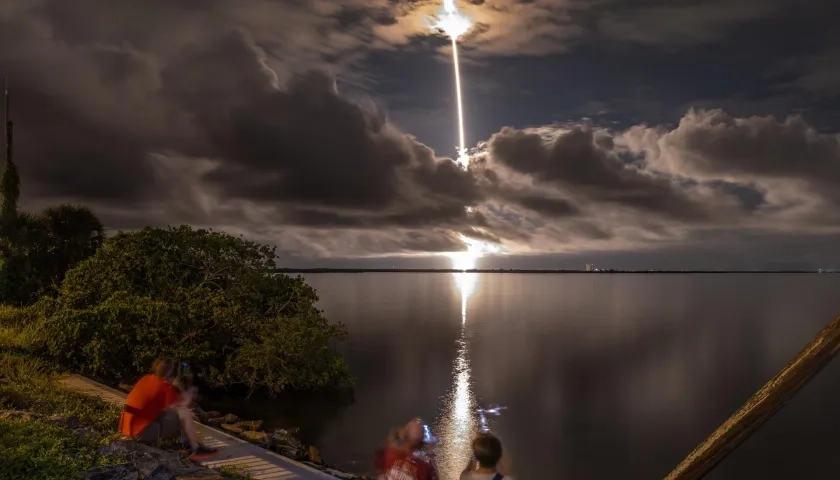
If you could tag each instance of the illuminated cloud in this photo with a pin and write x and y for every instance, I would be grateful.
(229, 117)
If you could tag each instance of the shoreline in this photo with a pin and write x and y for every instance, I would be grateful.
(285, 442)
(542, 271)
(64, 429)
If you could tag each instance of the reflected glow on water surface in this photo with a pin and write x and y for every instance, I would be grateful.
(458, 424)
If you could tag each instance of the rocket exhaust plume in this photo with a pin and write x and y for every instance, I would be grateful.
(463, 159)
(454, 24)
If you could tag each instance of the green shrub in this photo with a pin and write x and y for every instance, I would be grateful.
(204, 297)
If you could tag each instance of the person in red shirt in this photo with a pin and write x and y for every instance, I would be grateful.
(155, 410)
(407, 456)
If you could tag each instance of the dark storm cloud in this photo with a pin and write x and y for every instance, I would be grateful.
(431, 217)
(584, 161)
(306, 145)
(545, 205)
(67, 135)
(360, 243)
(783, 157)
(717, 144)
(205, 131)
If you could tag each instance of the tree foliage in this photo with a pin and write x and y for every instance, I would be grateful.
(37, 250)
(73, 234)
(204, 297)
(21, 275)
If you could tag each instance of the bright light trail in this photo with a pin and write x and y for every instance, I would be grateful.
(463, 159)
(454, 24)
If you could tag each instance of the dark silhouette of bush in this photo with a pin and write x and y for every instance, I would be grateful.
(37, 250)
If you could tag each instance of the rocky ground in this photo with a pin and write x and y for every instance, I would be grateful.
(281, 441)
(147, 463)
(127, 460)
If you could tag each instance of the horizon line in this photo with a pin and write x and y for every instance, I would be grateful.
(528, 270)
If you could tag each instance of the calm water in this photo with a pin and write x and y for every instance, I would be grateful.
(603, 376)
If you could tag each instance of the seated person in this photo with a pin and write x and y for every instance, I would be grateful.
(484, 465)
(155, 410)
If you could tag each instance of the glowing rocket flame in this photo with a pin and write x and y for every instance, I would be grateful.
(454, 24)
(451, 21)
(465, 260)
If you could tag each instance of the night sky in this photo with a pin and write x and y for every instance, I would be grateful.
(628, 133)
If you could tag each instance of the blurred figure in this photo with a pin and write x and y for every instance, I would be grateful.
(486, 462)
(408, 454)
(155, 410)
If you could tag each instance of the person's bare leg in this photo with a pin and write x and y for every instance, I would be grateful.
(187, 425)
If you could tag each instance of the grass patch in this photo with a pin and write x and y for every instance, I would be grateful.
(38, 450)
(17, 317)
(28, 383)
(16, 339)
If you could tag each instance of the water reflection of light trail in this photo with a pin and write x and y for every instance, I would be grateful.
(458, 423)
(464, 281)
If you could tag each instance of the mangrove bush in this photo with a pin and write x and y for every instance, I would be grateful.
(206, 298)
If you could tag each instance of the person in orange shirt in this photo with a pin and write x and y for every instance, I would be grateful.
(155, 410)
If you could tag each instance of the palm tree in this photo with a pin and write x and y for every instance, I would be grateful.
(73, 233)
(38, 250)
(9, 190)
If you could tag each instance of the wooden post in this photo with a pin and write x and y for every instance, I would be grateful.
(767, 401)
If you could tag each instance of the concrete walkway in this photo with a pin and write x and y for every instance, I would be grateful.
(257, 462)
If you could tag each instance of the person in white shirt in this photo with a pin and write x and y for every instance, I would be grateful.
(484, 464)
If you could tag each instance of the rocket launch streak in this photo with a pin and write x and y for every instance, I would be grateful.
(454, 25)
(463, 159)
